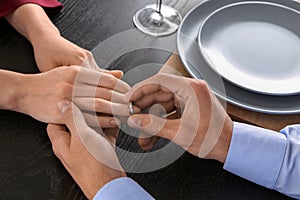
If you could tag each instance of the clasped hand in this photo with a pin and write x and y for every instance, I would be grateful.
(192, 116)
(189, 115)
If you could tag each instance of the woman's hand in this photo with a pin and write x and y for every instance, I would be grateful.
(88, 156)
(51, 51)
(94, 92)
(200, 124)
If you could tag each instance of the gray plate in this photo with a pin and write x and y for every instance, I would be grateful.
(195, 64)
(255, 45)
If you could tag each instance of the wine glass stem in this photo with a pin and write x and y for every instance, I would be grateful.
(158, 6)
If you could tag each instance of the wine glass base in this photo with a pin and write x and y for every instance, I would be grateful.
(153, 23)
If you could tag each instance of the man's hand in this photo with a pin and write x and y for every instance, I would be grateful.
(87, 155)
(197, 121)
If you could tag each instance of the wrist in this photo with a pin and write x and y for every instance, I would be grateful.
(12, 88)
(220, 150)
(93, 188)
(41, 34)
(21, 90)
(32, 22)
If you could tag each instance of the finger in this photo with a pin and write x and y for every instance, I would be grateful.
(104, 106)
(72, 117)
(178, 107)
(179, 86)
(140, 90)
(75, 122)
(94, 120)
(111, 134)
(159, 109)
(116, 73)
(147, 143)
(153, 125)
(169, 107)
(152, 98)
(60, 139)
(123, 119)
(163, 82)
(98, 92)
(81, 134)
(90, 63)
(144, 90)
(106, 80)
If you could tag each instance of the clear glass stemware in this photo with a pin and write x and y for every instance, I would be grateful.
(157, 19)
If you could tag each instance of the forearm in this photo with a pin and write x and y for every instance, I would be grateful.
(11, 89)
(32, 22)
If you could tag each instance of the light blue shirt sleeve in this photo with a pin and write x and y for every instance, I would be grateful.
(122, 189)
(266, 157)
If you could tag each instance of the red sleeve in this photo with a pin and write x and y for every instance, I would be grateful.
(7, 6)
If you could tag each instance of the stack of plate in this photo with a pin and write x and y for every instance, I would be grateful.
(247, 51)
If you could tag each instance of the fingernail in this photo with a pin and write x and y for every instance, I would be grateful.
(134, 121)
(118, 71)
(114, 122)
(63, 105)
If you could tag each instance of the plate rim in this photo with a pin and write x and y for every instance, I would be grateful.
(190, 69)
(225, 76)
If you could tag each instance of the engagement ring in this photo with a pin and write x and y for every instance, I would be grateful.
(131, 111)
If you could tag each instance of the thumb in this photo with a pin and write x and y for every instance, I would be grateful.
(64, 105)
(154, 125)
(72, 117)
(116, 73)
(92, 141)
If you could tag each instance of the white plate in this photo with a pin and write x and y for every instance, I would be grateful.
(196, 65)
(255, 45)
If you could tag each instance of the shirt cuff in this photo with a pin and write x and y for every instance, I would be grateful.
(122, 188)
(50, 6)
(256, 154)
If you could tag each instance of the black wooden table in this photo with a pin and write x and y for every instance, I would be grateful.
(28, 167)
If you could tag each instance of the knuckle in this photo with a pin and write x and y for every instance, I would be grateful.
(98, 104)
(160, 75)
(68, 119)
(65, 90)
(108, 95)
(111, 79)
(88, 54)
(200, 85)
(83, 55)
(73, 71)
(103, 122)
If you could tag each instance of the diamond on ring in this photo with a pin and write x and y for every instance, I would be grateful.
(130, 106)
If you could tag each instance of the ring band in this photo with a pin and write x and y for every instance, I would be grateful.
(131, 111)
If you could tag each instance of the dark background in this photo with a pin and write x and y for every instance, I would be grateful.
(28, 167)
